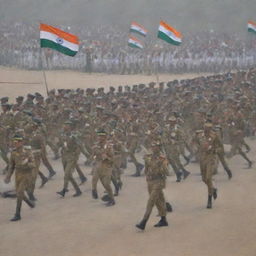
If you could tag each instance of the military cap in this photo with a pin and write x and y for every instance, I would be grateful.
(68, 122)
(37, 121)
(101, 132)
(17, 137)
(156, 144)
(4, 99)
(208, 124)
(172, 119)
(30, 96)
(99, 107)
(20, 98)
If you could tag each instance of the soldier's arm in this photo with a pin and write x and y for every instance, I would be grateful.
(11, 169)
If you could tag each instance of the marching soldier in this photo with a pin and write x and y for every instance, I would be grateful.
(22, 162)
(156, 170)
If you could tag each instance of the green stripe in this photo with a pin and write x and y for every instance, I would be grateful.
(136, 31)
(50, 44)
(134, 46)
(251, 30)
(166, 38)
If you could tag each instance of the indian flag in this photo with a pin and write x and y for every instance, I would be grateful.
(135, 43)
(51, 37)
(169, 34)
(251, 26)
(136, 28)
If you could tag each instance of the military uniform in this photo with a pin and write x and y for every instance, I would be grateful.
(23, 163)
(102, 168)
(156, 169)
(70, 151)
(209, 144)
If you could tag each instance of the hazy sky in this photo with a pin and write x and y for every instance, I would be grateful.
(189, 15)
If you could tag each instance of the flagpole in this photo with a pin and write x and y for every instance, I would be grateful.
(45, 82)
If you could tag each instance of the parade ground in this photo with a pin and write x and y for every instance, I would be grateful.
(85, 227)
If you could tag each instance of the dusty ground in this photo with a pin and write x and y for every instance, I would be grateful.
(83, 226)
(69, 79)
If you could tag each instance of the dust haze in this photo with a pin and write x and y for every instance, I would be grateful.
(186, 15)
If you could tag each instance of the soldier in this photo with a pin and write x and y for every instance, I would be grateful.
(70, 151)
(171, 138)
(22, 162)
(209, 144)
(103, 166)
(156, 170)
(36, 140)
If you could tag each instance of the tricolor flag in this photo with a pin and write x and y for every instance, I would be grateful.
(251, 26)
(169, 34)
(136, 28)
(51, 37)
(134, 42)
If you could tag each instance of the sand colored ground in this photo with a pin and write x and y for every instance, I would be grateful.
(83, 226)
(69, 79)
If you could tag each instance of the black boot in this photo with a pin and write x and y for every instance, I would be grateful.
(62, 192)
(30, 203)
(44, 181)
(106, 198)
(94, 194)
(168, 207)
(16, 217)
(31, 197)
(178, 176)
(51, 174)
(185, 174)
(110, 203)
(18, 208)
(78, 193)
(187, 160)
(209, 204)
(142, 224)
(229, 173)
(162, 223)
(83, 180)
(139, 168)
(215, 195)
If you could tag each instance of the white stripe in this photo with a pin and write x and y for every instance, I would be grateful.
(251, 26)
(135, 27)
(53, 37)
(131, 41)
(169, 34)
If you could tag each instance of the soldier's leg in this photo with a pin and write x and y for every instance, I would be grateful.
(54, 148)
(175, 168)
(161, 206)
(224, 164)
(248, 149)
(153, 195)
(241, 153)
(5, 158)
(180, 166)
(106, 182)
(81, 175)
(47, 164)
(95, 179)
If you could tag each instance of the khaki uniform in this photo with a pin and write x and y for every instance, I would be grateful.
(156, 169)
(70, 151)
(208, 149)
(103, 167)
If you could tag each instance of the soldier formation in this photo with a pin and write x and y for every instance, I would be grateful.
(173, 123)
